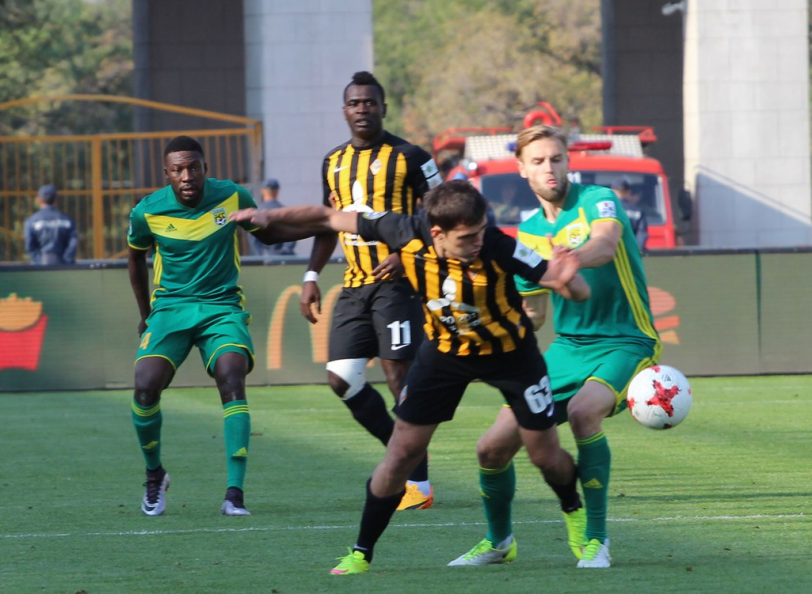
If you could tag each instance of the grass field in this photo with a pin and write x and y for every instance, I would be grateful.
(722, 503)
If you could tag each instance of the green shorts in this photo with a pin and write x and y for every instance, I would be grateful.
(172, 331)
(572, 363)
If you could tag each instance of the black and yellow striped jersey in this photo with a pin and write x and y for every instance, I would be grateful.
(471, 309)
(389, 176)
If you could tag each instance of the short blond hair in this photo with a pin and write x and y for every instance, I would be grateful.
(538, 132)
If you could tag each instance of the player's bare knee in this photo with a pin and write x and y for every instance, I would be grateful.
(407, 455)
(147, 394)
(231, 385)
(490, 454)
(584, 418)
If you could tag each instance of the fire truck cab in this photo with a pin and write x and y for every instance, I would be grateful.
(610, 154)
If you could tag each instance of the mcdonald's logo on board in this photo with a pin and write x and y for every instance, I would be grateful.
(663, 302)
(22, 330)
(319, 332)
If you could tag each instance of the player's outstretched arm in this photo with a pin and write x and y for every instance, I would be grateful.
(276, 233)
(577, 289)
(562, 275)
(316, 218)
(602, 244)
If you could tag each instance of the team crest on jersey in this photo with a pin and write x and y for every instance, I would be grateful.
(220, 216)
(576, 234)
(375, 167)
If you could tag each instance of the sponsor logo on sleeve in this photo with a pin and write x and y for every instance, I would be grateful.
(606, 209)
(432, 174)
(527, 255)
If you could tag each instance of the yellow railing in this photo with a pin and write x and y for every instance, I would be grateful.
(101, 176)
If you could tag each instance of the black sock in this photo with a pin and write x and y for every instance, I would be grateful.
(567, 494)
(235, 496)
(156, 473)
(421, 473)
(378, 512)
(369, 409)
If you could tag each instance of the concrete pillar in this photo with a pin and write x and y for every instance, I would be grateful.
(189, 54)
(746, 102)
(642, 79)
(300, 54)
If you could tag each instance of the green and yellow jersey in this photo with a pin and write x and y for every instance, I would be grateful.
(389, 176)
(619, 305)
(196, 255)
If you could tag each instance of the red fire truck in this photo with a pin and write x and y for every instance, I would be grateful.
(607, 155)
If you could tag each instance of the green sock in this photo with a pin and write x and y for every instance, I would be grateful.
(497, 487)
(237, 432)
(594, 464)
(147, 422)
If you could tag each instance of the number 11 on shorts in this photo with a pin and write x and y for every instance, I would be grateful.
(401, 334)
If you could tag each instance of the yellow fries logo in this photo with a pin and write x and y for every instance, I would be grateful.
(22, 330)
(663, 302)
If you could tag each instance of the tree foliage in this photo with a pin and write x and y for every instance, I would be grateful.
(60, 47)
(444, 63)
(451, 63)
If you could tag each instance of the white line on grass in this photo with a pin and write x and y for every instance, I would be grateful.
(350, 527)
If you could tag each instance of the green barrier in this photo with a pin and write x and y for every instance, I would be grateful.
(75, 329)
(706, 310)
(785, 313)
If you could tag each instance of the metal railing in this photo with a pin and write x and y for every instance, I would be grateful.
(100, 177)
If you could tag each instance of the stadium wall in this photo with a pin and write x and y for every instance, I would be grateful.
(718, 313)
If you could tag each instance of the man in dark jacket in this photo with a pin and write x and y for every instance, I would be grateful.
(631, 204)
(50, 235)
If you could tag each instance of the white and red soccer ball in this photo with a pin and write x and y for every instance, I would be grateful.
(659, 397)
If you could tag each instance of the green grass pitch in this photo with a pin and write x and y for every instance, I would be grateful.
(722, 503)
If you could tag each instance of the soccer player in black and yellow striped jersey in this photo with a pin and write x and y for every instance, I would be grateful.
(462, 269)
(377, 314)
(196, 301)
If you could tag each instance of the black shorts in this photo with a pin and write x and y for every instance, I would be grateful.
(380, 320)
(436, 382)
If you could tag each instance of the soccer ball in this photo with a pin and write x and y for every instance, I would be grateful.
(659, 397)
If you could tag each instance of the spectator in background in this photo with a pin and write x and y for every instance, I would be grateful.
(50, 235)
(506, 209)
(270, 194)
(631, 204)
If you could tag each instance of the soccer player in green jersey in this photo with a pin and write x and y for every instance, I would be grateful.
(601, 344)
(195, 301)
